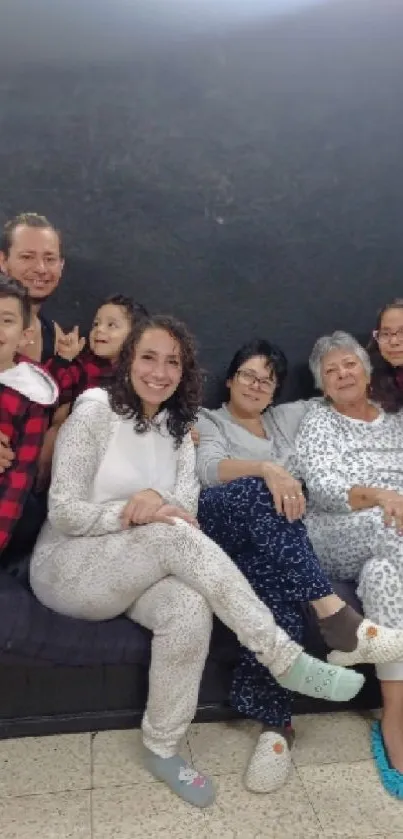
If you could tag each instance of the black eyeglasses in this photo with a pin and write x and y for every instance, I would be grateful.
(248, 377)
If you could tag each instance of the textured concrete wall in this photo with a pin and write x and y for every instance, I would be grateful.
(242, 171)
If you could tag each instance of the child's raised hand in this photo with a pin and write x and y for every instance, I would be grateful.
(68, 344)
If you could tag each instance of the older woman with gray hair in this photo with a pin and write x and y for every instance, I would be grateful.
(252, 505)
(350, 455)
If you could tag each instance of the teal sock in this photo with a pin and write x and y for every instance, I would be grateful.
(321, 680)
(181, 778)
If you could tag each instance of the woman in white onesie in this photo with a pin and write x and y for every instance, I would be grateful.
(350, 455)
(121, 537)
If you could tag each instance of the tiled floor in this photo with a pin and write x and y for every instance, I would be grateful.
(93, 787)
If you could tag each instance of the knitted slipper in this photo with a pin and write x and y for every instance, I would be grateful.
(270, 764)
(391, 778)
(375, 645)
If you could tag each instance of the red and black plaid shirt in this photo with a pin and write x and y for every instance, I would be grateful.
(25, 424)
(73, 377)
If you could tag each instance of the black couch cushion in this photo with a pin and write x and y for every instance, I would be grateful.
(31, 631)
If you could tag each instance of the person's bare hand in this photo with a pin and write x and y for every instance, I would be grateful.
(6, 453)
(68, 344)
(391, 503)
(141, 508)
(289, 500)
(168, 513)
(195, 435)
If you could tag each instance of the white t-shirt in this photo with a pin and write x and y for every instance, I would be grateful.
(133, 462)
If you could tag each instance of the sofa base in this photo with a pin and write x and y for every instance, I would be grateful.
(37, 701)
(39, 697)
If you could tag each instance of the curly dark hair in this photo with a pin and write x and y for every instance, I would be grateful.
(384, 388)
(183, 405)
(260, 347)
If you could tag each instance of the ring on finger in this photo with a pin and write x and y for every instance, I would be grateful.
(286, 497)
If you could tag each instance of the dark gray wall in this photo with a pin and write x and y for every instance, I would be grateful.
(240, 169)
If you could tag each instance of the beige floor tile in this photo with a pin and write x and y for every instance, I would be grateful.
(144, 810)
(286, 814)
(45, 764)
(223, 748)
(54, 816)
(162, 826)
(350, 801)
(331, 738)
(219, 826)
(117, 759)
(356, 835)
(295, 833)
(152, 811)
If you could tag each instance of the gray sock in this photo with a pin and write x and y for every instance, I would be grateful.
(339, 631)
(181, 778)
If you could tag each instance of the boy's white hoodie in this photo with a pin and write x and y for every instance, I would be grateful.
(31, 381)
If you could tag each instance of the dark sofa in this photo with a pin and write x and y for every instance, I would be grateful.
(62, 675)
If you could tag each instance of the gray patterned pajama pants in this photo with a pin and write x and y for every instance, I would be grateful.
(170, 579)
(357, 546)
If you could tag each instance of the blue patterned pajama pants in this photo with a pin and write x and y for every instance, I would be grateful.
(279, 562)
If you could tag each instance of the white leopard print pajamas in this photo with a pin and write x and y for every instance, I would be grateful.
(334, 454)
(168, 578)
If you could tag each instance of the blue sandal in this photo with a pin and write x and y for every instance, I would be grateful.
(391, 778)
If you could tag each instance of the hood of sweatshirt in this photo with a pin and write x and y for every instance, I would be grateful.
(101, 396)
(31, 381)
(93, 394)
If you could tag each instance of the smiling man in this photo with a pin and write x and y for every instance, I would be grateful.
(31, 252)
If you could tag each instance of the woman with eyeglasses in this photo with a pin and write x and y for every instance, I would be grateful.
(386, 354)
(252, 505)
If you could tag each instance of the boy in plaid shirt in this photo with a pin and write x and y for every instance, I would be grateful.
(27, 397)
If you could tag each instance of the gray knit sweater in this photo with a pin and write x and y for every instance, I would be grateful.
(221, 437)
